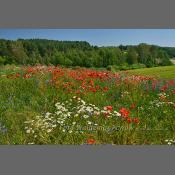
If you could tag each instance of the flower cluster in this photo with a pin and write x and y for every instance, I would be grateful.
(125, 114)
(67, 117)
(170, 142)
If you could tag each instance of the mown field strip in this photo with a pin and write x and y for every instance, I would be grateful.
(167, 72)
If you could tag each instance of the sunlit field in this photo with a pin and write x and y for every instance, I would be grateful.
(167, 72)
(56, 105)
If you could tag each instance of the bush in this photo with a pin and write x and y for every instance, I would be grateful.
(137, 66)
(109, 68)
(113, 68)
(124, 66)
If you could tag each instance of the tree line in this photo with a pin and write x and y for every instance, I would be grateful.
(81, 53)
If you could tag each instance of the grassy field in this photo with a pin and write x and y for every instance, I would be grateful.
(167, 72)
(54, 105)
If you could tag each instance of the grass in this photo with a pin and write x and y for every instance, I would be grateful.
(167, 72)
(49, 105)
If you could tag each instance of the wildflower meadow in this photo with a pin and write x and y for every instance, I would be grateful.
(57, 105)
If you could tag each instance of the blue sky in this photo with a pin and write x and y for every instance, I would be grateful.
(99, 37)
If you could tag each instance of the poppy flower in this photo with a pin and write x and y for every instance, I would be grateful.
(27, 76)
(124, 112)
(91, 82)
(129, 120)
(132, 106)
(105, 89)
(108, 108)
(97, 87)
(30, 70)
(17, 75)
(153, 86)
(164, 88)
(92, 89)
(136, 120)
(91, 141)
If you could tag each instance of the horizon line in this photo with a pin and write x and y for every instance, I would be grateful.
(87, 42)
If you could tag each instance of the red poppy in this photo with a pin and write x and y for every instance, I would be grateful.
(26, 76)
(91, 82)
(129, 120)
(17, 74)
(105, 89)
(92, 89)
(97, 87)
(30, 70)
(108, 108)
(132, 106)
(136, 120)
(124, 112)
(153, 86)
(91, 141)
(164, 88)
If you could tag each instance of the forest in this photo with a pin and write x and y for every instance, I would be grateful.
(81, 53)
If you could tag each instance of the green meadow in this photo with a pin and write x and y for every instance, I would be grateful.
(167, 72)
(55, 105)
